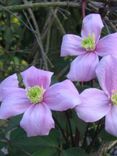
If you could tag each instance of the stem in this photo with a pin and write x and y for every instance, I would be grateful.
(70, 128)
(39, 5)
(98, 130)
(85, 137)
(83, 8)
(61, 129)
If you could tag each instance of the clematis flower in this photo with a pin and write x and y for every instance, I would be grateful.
(37, 100)
(88, 48)
(98, 103)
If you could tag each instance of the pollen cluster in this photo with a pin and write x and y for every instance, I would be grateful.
(35, 94)
(88, 43)
(114, 98)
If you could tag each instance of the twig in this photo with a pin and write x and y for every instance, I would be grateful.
(13, 14)
(40, 5)
(38, 35)
(83, 8)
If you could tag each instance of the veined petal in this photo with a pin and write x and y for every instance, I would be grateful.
(71, 45)
(107, 74)
(94, 105)
(37, 120)
(9, 82)
(33, 76)
(62, 96)
(107, 45)
(83, 67)
(14, 104)
(92, 25)
(111, 121)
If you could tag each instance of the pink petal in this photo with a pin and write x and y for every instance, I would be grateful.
(62, 96)
(111, 121)
(92, 24)
(71, 45)
(14, 104)
(107, 45)
(33, 76)
(107, 74)
(37, 120)
(83, 67)
(9, 82)
(94, 105)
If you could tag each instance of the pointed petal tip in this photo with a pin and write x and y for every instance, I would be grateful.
(71, 45)
(40, 119)
(62, 96)
(82, 68)
(89, 108)
(92, 24)
(34, 76)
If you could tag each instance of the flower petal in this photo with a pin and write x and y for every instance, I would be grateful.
(94, 105)
(14, 104)
(111, 121)
(37, 120)
(107, 74)
(92, 24)
(71, 45)
(9, 82)
(62, 96)
(33, 76)
(107, 45)
(83, 67)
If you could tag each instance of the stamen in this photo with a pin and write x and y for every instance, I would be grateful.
(88, 43)
(35, 94)
(114, 97)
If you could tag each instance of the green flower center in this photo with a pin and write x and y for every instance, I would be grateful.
(114, 98)
(88, 43)
(35, 94)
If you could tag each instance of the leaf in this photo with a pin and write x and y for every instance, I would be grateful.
(31, 144)
(106, 136)
(74, 152)
(46, 152)
(76, 122)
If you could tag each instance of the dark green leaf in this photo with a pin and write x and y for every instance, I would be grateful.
(46, 152)
(74, 152)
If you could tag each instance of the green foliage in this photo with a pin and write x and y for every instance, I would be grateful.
(74, 152)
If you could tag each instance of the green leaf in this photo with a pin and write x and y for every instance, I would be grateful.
(19, 140)
(107, 137)
(46, 152)
(74, 152)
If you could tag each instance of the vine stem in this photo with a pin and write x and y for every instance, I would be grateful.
(70, 128)
(85, 135)
(98, 130)
(61, 129)
(83, 8)
(39, 5)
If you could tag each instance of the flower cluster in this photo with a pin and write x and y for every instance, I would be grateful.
(89, 47)
(38, 98)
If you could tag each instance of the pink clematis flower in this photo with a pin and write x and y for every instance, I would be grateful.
(88, 47)
(98, 103)
(36, 100)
